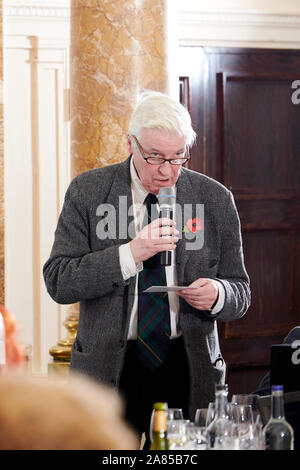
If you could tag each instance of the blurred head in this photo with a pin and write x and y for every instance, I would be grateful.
(61, 414)
(13, 352)
(159, 127)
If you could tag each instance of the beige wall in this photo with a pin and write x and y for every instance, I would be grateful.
(269, 6)
(239, 23)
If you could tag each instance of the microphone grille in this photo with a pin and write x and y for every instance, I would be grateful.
(166, 196)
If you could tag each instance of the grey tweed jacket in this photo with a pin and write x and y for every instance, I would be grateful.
(85, 268)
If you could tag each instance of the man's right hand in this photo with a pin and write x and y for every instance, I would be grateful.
(159, 235)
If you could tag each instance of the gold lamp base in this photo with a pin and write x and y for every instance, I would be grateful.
(62, 350)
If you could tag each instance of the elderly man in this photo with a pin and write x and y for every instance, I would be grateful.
(160, 346)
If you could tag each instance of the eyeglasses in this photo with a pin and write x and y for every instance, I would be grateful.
(159, 160)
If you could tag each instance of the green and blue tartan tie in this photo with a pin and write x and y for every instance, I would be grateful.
(154, 331)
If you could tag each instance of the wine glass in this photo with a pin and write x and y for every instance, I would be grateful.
(174, 413)
(256, 438)
(229, 439)
(210, 414)
(177, 433)
(242, 414)
(259, 420)
(200, 437)
(247, 399)
(201, 416)
(243, 418)
(195, 437)
(253, 401)
(240, 399)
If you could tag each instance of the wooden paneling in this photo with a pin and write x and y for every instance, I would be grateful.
(249, 139)
(260, 117)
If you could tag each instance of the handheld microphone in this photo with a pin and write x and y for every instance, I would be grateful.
(166, 201)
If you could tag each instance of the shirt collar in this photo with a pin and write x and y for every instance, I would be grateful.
(138, 189)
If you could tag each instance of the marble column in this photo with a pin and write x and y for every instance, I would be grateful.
(118, 49)
(2, 296)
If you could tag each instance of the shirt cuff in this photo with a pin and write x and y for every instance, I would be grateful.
(128, 266)
(221, 299)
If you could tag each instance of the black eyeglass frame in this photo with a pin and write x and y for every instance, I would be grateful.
(171, 161)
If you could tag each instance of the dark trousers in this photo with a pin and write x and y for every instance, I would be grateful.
(141, 387)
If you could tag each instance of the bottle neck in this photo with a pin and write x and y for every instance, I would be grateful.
(277, 405)
(221, 405)
(160, 421)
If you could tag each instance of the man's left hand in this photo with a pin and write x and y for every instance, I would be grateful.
(203, 297)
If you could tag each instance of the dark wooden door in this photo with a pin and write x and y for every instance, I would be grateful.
(249, 139)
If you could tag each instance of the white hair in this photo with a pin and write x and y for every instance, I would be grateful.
(156, 110)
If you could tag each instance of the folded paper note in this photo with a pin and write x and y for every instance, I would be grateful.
(168, 288)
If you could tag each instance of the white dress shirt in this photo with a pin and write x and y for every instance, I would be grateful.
(129, 268)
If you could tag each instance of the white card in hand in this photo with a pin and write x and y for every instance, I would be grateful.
(167, 288)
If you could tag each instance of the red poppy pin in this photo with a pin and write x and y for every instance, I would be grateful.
(193, 225)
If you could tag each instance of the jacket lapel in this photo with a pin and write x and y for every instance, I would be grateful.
(120, 198)
(185, 211)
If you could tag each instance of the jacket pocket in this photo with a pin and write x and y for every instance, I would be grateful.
(80, 361)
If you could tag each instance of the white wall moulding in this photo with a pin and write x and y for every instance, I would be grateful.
(43, 18)
(28, 9)
(35, 180)
(240, 28)
(37, 171)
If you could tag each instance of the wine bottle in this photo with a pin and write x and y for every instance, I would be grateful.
(278, 433)
(159, 427)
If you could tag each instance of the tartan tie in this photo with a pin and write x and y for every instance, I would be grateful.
(154, 331)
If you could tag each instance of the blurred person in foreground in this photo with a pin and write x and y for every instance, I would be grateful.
(107, 250)
(12, 352)
(55, 414)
